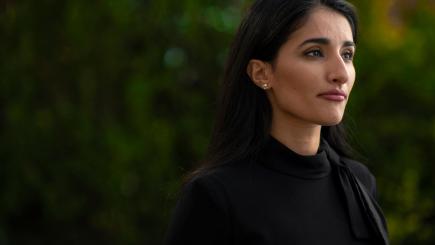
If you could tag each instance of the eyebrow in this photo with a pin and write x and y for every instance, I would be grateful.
(325, 41)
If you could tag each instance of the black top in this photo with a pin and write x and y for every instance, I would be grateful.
(282, 198)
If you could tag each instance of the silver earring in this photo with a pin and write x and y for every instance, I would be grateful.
(265, 86)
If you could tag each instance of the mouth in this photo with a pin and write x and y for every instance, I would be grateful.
(334, 95)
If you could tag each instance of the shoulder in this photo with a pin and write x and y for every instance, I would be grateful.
(201, 213)
(212, 182)
(206, 185)
(363, 173)
(218, 178)
(225, 182)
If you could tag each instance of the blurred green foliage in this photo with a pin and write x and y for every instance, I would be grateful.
(105, 104)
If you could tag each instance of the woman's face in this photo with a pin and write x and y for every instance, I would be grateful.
(312, 68)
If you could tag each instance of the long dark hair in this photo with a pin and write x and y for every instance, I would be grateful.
(244, 115)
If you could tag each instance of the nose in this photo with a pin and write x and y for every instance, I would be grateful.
(337, 70)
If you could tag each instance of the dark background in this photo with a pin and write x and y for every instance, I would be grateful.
(105, 104)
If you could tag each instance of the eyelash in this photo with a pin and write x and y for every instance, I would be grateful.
(311, 52)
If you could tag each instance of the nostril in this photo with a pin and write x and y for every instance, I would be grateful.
(339, 79)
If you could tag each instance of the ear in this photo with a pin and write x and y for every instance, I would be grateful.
(260, 73)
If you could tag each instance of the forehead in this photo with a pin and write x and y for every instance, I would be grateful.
(324, 22)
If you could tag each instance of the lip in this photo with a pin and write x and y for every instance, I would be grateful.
(333, 95)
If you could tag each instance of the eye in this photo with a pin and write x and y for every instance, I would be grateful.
(348, 55)
(314, 53)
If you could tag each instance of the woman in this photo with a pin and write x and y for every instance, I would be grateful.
(278, 169)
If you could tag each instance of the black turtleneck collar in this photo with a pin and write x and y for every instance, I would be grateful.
(279, 157)
(362, 208)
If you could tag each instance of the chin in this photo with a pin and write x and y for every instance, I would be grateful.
(331, 120)
(330, 123)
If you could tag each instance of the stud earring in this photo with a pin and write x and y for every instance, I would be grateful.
(265, 86)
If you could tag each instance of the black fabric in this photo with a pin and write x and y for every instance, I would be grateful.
(362, 207)
(281, 198)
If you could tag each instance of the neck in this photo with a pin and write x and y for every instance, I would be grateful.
(298, 135)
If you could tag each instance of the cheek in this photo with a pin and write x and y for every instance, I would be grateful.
(295, 88)
(297, 78)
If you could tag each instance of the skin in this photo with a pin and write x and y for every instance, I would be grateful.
(301, 71)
